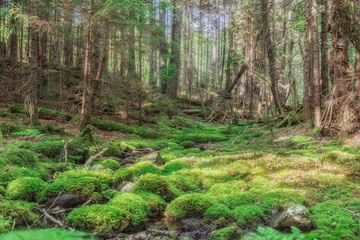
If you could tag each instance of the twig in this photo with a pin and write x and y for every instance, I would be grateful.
(54, 220)
(353, 213)
(239, 136)
(92, 158)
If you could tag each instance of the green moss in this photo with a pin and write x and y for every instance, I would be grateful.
(45, 234)
(137, 170)
(9, 173)
(174, 166)
(101, 219)
(114, 150)
(156, 203)
(20, 157)
(17, 108)
(238, 199)
(50, 149)
(136, 206)
(333, 222)
(25, 188)
(228, 233)
(217, 211)
(232, 187)
(88, 187)
(247, 213)
(155, 184)
(279, 197)
(110, 164)
(339, 157)
(20, 213)
(187, 144)
(103, 176)
(79, 146)
(189, 205)
(180, 184)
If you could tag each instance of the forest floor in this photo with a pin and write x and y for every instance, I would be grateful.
(177, 179)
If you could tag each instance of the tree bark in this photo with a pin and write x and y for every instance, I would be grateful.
(316, 69)
(324, 48)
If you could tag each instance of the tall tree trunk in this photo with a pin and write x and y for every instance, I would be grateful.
(163, 52)
(307, 63)
(357, 61)
(271, 54)
(32, 94)
(13, 49)
(316, 66)
(324, 48)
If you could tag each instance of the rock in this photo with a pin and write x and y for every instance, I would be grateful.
(154, 158)
(138, 236)
(66, 201)
(292, 215)
(128, 187)
(190, 224)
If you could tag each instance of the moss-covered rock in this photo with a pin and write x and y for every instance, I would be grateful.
(103, 176)
(237, 199)
(20, 213)
(141, 168)
(217, 211)
(174, 166)
(187, 144)
(25, 188)
(20, 157)
(156, 203)
(155, 184)
(114, 150)
(247, 214)
(228, 233)
(110, 164)
(189, 205)
(50, 149)
(101, 219)
(88, 187)
(79, 146)
(275, 198)
(133, 204)
(10, 172)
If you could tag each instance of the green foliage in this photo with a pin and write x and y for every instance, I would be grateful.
(25, 188)
(187, 144)
(266, 233)
(246, 214)
(189, 205)
(174, 166)
(80, 145)
(333, 222)
(20, 157)
(17, 108)
(29, 132)
(217, 211)
(101, 219)
(114, 150)
(228, 233)
(9, 173)
(138, 169)
(279, 197)
(180, 184)
(19, 213)
(110, 164)
(237, 199)
(46, 234)
(156, 203)
(103, 176)
(137, 208)
(50, 149)
(88, 187)
(155, 184)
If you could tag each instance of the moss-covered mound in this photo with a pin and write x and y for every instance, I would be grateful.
(155, 184)
(10, 172)
(79, 146)
(275, 198)
(156, 203)
(247, 214)
(88, 187)
(20, 157)
(110, 164)
(50, 149)
(25, 188)
(228, 233)
(103, 219)
(137, 208)
(189, 205)
(141, 168)
(174, 166)
(103, 176)
(217, 211)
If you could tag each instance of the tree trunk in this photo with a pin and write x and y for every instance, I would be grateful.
(307, 63)
(13, 49)
(316, 67)
(324, 48)
(357, 61)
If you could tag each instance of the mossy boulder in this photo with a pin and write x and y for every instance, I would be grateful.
(174, 166)
(103, 176)
(100, 219)
(88, 187)
(137, 208)
(228, 233)
(50, 149)
(79, 146)
(187, 144)
(10, 172)
(217, 211)
(156, 203)
(110, 164)
(20, 213)
(141, 168)
(20, 157)
(275, 198)
(238, 199)
(247, 214)
(155, 184)
(25, 188)
(189, 205)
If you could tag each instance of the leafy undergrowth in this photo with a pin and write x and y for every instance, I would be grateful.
(229, 176)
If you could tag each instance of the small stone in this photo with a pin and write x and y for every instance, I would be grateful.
(154, 158)
(128, 187)
(66, 201)
(292, 215)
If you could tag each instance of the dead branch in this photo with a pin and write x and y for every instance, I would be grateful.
(92, 158)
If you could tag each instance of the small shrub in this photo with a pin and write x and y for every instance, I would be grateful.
(187, 144)
(25, 188)
(155, 184)
(189, 205)
(101, 219)
(110, 164)
(136, 206)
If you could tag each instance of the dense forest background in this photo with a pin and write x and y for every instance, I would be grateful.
(235, 59)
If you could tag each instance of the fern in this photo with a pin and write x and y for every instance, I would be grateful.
(46, 234)
(266, 233)
(29, 132)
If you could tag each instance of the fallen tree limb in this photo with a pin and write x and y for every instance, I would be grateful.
(51, 218)
(92, 158)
